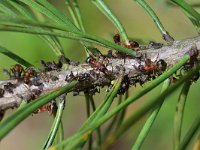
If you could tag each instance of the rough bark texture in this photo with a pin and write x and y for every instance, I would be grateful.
(90, 77)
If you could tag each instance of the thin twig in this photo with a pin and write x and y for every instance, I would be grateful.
(170, 54)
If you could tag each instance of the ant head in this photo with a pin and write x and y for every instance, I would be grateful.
(116, 38)
(162, 65)
(18, 68)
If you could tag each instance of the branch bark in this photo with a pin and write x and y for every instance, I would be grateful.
(52, 80)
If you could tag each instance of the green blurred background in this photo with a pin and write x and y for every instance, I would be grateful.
(31, 133)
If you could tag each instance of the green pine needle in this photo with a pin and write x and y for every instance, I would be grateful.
(14, 119)
(15, 57)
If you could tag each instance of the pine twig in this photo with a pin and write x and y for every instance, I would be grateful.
(170, 54)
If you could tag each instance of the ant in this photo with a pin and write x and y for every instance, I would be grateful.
(70, 77)
(84, 76)
(49, 66)
(35, 93)
(80, 77)
(152, 67)
(110, 54)
(96, 54)
(15, 72)
(92, 90)
(116, 38)
(96, 64)
(192, 63)
(76, 92)
(50, 107)
(132, 44)
(155, 45)
(124, 85)
(29, 73)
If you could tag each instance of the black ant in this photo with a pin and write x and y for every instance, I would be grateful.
(110, 54)
(155, 45)
(49, 66)
(70, 77)
(124, 85)
(92, 90)
(76, 92)
(35, 93)
(143, 78)
(83, 77)
(192, 63)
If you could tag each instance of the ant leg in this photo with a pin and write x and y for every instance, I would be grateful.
(156, 58)
(7, 73)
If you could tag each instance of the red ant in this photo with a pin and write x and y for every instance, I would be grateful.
(50, 107)
(43, 109)
(96, 64)
(29, 73)
(15, 72)
(132, 44)
(150, 67)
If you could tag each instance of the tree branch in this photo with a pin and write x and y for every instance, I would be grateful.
(91, 77)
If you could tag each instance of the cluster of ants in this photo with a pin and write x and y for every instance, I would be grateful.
(29, 76)
(148, 71)
(191, 63)
(151, 69)
(18, 73)
(90, 82)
